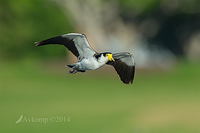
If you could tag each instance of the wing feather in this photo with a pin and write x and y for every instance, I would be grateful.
(75, 42)
(124, 64)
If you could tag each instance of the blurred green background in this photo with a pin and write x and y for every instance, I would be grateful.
(163, 35)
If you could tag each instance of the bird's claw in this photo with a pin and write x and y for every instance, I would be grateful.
(72, 71)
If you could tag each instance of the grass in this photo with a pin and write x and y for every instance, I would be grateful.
(98, 102)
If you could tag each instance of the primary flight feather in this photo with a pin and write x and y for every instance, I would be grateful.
(89, 59)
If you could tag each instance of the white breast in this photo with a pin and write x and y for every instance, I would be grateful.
(92, 63)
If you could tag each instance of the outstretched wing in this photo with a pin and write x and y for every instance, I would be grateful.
(124, 64)
(75, 42)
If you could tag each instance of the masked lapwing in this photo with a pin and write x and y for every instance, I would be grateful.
(89, 59)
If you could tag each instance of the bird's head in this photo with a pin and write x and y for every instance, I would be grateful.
(109, 56)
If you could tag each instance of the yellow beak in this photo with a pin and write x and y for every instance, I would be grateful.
(110, 57)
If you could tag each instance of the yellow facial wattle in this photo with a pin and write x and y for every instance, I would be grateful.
(110, 58)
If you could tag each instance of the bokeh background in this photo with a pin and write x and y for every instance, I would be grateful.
(163, 36)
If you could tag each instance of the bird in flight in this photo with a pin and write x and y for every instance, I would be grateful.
(89, 59)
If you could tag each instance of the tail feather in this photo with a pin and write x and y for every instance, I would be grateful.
(73, 66)
(70, 66)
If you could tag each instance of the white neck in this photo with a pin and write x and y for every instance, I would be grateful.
(102, 59)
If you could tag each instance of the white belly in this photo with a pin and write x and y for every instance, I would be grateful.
(90, 64)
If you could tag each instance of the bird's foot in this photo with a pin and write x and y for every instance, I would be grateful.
(72, 71)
